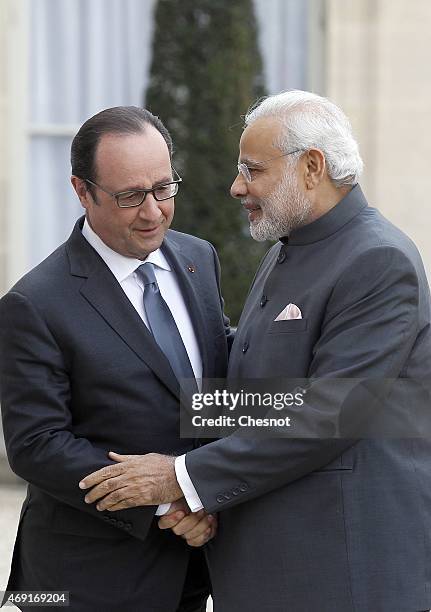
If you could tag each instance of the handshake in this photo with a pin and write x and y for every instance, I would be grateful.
(197, 528)
(147, 480)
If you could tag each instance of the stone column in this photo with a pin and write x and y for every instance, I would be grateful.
(377, 71)
(14, 17)
(14, 100)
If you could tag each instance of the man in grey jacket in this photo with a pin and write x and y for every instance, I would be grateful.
(325, 523)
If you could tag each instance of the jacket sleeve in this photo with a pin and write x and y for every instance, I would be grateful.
(35, 395)
(369, 328)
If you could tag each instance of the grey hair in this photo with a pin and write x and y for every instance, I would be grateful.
(308, 122)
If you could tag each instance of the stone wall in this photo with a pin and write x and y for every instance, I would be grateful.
(377, 53)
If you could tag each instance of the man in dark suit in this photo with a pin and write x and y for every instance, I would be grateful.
(324, 523)
(93, 343)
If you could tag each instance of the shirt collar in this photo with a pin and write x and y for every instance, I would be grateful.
(329, 223)
(120, 265)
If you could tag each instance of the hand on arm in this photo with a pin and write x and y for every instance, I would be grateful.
(135, 480)
(139, 480)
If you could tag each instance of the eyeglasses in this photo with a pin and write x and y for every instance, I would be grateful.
(135, 197)
(245, 171)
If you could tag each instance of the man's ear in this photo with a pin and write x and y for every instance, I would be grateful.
(315, 168)
(82, 191)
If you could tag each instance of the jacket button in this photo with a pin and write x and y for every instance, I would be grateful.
(263, 301)
(281, 257)
(243, 486)
(245, 347)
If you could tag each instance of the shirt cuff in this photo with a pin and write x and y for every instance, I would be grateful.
(163, 509)
(187, 487)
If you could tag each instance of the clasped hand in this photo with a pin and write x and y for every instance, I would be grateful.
(142, 480)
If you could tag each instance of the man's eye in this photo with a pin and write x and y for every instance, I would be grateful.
(131, 198)
(164, 192)
(164, 188)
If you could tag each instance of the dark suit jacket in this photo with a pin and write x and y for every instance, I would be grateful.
(80, 374)
(334, 525)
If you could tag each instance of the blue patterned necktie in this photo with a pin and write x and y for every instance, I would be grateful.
(162, 324)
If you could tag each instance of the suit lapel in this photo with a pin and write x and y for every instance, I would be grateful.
(101, 289)
(188, 274)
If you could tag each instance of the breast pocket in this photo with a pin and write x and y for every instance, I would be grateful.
(290, 326)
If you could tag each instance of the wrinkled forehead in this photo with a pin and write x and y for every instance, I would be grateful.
(257, 140)
(130, 157)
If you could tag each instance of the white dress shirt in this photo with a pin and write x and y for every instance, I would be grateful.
(124, 270)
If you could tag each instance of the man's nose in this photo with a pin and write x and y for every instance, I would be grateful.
(150, 208)
(239, 187)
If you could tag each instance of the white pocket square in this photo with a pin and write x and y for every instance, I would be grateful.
(290, 312)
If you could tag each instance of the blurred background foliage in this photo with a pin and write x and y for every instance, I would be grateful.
(206, 71)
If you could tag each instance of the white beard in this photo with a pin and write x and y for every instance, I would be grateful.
(285, 209)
